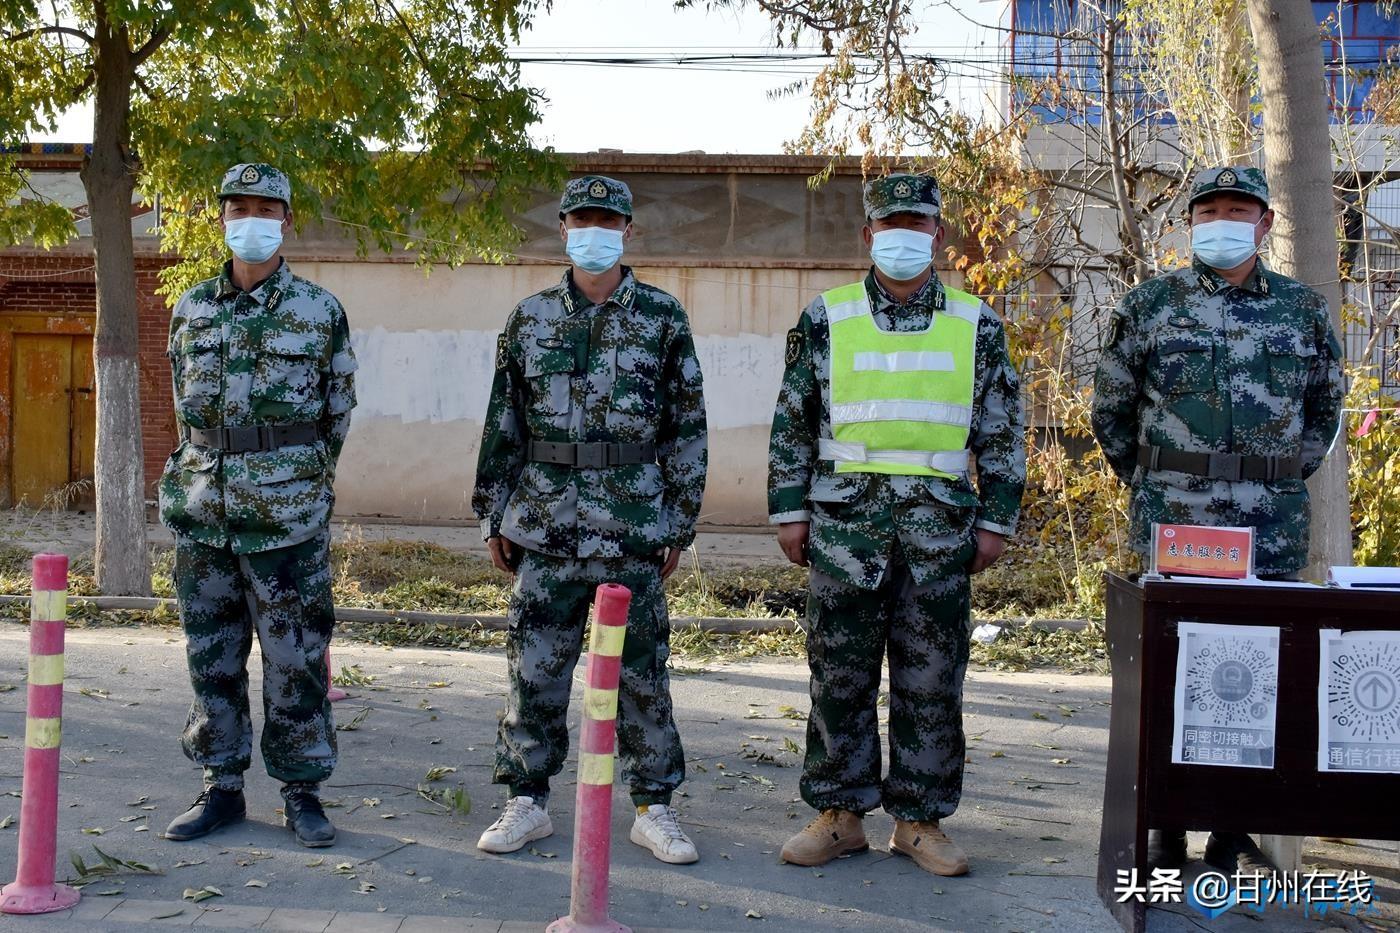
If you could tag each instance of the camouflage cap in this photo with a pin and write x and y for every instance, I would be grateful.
(257, 178)
(596, 191)
(1233, 179)
(902, 194)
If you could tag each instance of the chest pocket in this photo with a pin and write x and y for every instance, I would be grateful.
(287, 369)
(197, 355)
(1185, 363)
(1290, 359)
(635, 408)
(548, 372)
(636, 382)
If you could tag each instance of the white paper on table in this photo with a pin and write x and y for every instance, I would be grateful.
(1360, 578)
(1358, 702)
(1247, 581)
(1226, 699)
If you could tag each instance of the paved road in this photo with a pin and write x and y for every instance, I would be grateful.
(1029, 818)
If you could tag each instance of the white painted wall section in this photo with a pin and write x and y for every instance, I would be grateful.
(437, 376)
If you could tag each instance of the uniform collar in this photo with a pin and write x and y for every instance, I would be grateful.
(929, 297)
(268, 293)
(624, 296)
(1212, 283)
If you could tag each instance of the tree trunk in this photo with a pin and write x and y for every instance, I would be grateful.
(1298, 156)
(122, 561)
(1130, 233)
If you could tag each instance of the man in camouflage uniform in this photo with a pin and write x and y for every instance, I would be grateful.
(891, 535)
(264, 386)
(1218, 393)
(591, 470)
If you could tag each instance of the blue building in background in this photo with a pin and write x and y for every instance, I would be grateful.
(1360, 38)
(1052, 53)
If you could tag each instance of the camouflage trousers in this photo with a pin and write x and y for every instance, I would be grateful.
(285, 596)
(925, 631)
(548, 608)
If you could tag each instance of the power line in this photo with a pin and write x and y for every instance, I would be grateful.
(998, 68)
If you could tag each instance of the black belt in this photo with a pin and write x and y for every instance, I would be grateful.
(254, 437)
(598, 454)
(1232, 467)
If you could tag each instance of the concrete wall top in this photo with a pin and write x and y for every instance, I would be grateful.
(754, 211)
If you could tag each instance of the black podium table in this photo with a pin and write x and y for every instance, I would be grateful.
(1143, 788)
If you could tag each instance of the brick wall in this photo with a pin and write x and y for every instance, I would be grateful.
(157, 408)
(65, 286)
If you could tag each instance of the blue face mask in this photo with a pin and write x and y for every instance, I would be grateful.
(1223, 244)
(594, 249)
(253, 239)
(902, 254)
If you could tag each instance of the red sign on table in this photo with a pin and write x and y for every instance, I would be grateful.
(1203, 551)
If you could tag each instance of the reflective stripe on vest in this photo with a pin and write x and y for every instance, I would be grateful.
(901, 409)
(945, 461)
(905, 361)
(900, 402)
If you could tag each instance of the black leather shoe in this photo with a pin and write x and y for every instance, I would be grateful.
(302, 813)
(211, 810)
(1233, 853)
(1165, 849)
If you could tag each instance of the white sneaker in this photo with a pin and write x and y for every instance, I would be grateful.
(659, 829)
(521, 822)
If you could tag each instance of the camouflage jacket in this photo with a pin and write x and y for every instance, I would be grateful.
(568, 370)
(857, 518)
(279, 354)
(1193, 363)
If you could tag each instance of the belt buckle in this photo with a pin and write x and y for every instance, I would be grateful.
(242, 438)
(1226, 466)
(590, 456)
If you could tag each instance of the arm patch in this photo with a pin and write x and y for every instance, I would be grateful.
(502, 356)
(795, 341)
(1115, 328)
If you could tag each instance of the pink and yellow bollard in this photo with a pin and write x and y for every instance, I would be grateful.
(34, 890)
(588, 902)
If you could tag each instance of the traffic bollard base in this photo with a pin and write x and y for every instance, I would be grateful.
(36, 899)
(570, 925)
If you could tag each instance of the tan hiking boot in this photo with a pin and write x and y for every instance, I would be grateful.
(928, 846)
(832, 833)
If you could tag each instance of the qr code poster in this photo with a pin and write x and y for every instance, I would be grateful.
(1226, 695)
(1358, 702)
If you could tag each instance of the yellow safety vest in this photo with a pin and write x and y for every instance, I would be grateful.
(900, 402)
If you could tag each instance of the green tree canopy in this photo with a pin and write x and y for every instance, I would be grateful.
(376, 105)
(399, 116)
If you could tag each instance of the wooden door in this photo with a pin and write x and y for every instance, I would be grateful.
(53, 421)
